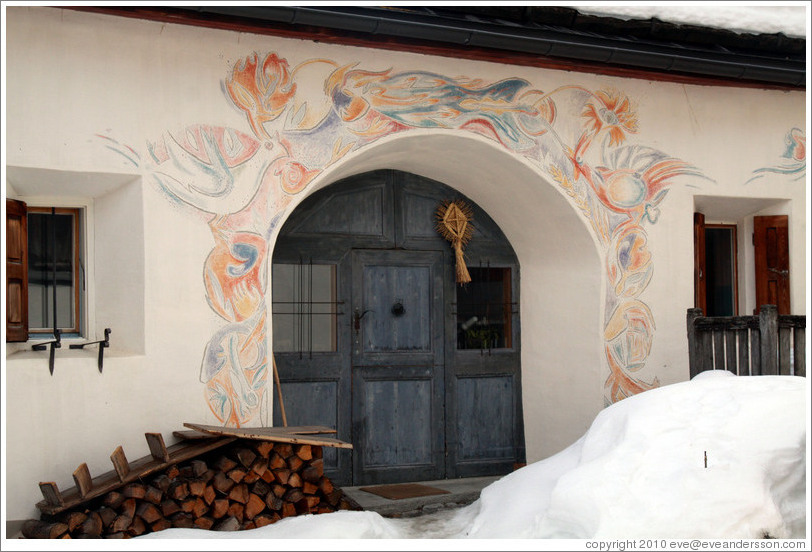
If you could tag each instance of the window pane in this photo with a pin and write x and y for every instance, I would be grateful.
(304, 308)
(484, 310)
(720, 267)
(51, 253)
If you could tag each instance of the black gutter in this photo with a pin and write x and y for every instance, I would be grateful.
(621, 49)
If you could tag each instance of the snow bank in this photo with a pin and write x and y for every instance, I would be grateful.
(639, 471)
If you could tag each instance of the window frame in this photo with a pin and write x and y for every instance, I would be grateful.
(78, 307)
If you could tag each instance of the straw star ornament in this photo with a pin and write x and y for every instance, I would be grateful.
(454, 224)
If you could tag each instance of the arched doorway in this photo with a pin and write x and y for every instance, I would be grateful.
(373, 336)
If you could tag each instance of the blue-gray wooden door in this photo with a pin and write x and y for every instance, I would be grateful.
(415, 405)
(397, 366)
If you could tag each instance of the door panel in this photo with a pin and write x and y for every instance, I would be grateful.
(771, 247)
(397, 366)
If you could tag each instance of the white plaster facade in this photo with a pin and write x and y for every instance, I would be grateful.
(73, 76)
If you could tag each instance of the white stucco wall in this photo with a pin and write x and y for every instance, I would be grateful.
(72, 76)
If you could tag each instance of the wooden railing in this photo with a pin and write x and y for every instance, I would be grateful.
(767, 344)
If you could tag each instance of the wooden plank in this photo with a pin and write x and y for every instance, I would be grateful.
(784, 346)
(719, 350)
(744, 352)
(81, 476)
(120, 463)
(755, 353)
(799, 345)
(51, 493)
(768, 327)
(730, 353)
(157, 447)
(269, 434)
(139, 468)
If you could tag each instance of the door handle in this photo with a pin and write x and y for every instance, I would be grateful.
(356, 318)
(779, 272)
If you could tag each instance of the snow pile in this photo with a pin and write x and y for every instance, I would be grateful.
(639, 471)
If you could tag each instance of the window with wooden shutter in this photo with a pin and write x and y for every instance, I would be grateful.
(16, 271)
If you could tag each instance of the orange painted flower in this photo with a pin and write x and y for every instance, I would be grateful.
(614, 113)
(262, 90)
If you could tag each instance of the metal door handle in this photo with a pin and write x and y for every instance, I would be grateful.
(356, 318)
(779, 272)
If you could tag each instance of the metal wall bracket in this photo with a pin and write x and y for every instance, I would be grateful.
(102, 344)
(55, 344)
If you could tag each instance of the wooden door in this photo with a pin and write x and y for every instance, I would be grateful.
(16, 271)
(700, 294)
(771, 248)
(397, 366)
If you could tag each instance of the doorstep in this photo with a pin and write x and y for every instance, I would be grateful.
(460, 493)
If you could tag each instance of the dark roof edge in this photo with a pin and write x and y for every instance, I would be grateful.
(560, 43)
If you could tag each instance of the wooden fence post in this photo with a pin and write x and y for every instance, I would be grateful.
(696, 362)
(768, 328)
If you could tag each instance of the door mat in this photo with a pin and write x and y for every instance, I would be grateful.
(404, 490)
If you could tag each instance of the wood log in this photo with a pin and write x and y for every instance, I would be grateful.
(73, 519)
(148, 512)
(312, 502)
(169, 507)
(237, 510)
(309, 488)
(228, 524)
(273, 502)
(200, 507)
(334, 497)
(161, 482)
(36, 529)
(153, 495)
(260, 488)
(92, 525)
(219, 508)
(118, 535)
(293, 495)
(259, 466)
(113, 499)
(295, 480)
(161, 524)
(288, 510)
(248, 525)
(186, 471)
(279, 490)
(107, 516)
(207, 475)
(188, 504)
(317, 451)
(224, 464)
(239, 494)
(178, 490)
(282, 476)
(295, 463)
(276, 462)
(237, 474)
(285, 450)
(127, 507)
(182, 520)
(268, 476)
(312, 474)
(209, 494)
(121, 523)
(250, 477)
(263, 448)
(222, 483)
(199, 467)
(134, 490)
(138, 527)
(172, 472)
(254, 506)
(245, 456)
(197, 487)
(325, 485)
(304, 452)
(204, 522)
(266, 519)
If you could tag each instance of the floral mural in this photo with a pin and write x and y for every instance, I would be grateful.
(240, 182)
(793, 160)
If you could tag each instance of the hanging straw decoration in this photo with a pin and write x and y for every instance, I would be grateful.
(454, 224)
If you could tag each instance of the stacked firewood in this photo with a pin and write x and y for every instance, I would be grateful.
(245, 485)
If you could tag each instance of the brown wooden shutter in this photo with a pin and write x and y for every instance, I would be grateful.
(700, 282)
(16, 271)
(771, 249)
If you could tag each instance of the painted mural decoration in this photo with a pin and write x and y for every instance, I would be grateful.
(239, 181)
(793, 161)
